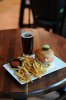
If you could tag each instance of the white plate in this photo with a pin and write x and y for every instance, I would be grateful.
(56, 65)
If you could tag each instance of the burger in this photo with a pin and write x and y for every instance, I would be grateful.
(45, 54)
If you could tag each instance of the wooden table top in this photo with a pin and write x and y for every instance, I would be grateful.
(10, 46)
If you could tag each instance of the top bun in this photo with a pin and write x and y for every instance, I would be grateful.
(45, 54)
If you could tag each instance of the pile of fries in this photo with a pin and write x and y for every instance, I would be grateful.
(30, 68)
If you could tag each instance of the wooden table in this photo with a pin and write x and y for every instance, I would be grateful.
(10, 46)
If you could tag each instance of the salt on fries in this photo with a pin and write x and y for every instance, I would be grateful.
(30, 68)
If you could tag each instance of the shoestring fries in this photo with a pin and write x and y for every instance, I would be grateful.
(29, 68)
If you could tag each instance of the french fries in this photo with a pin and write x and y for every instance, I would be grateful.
(29, 68)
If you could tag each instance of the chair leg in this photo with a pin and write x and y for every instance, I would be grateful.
(21, 13)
